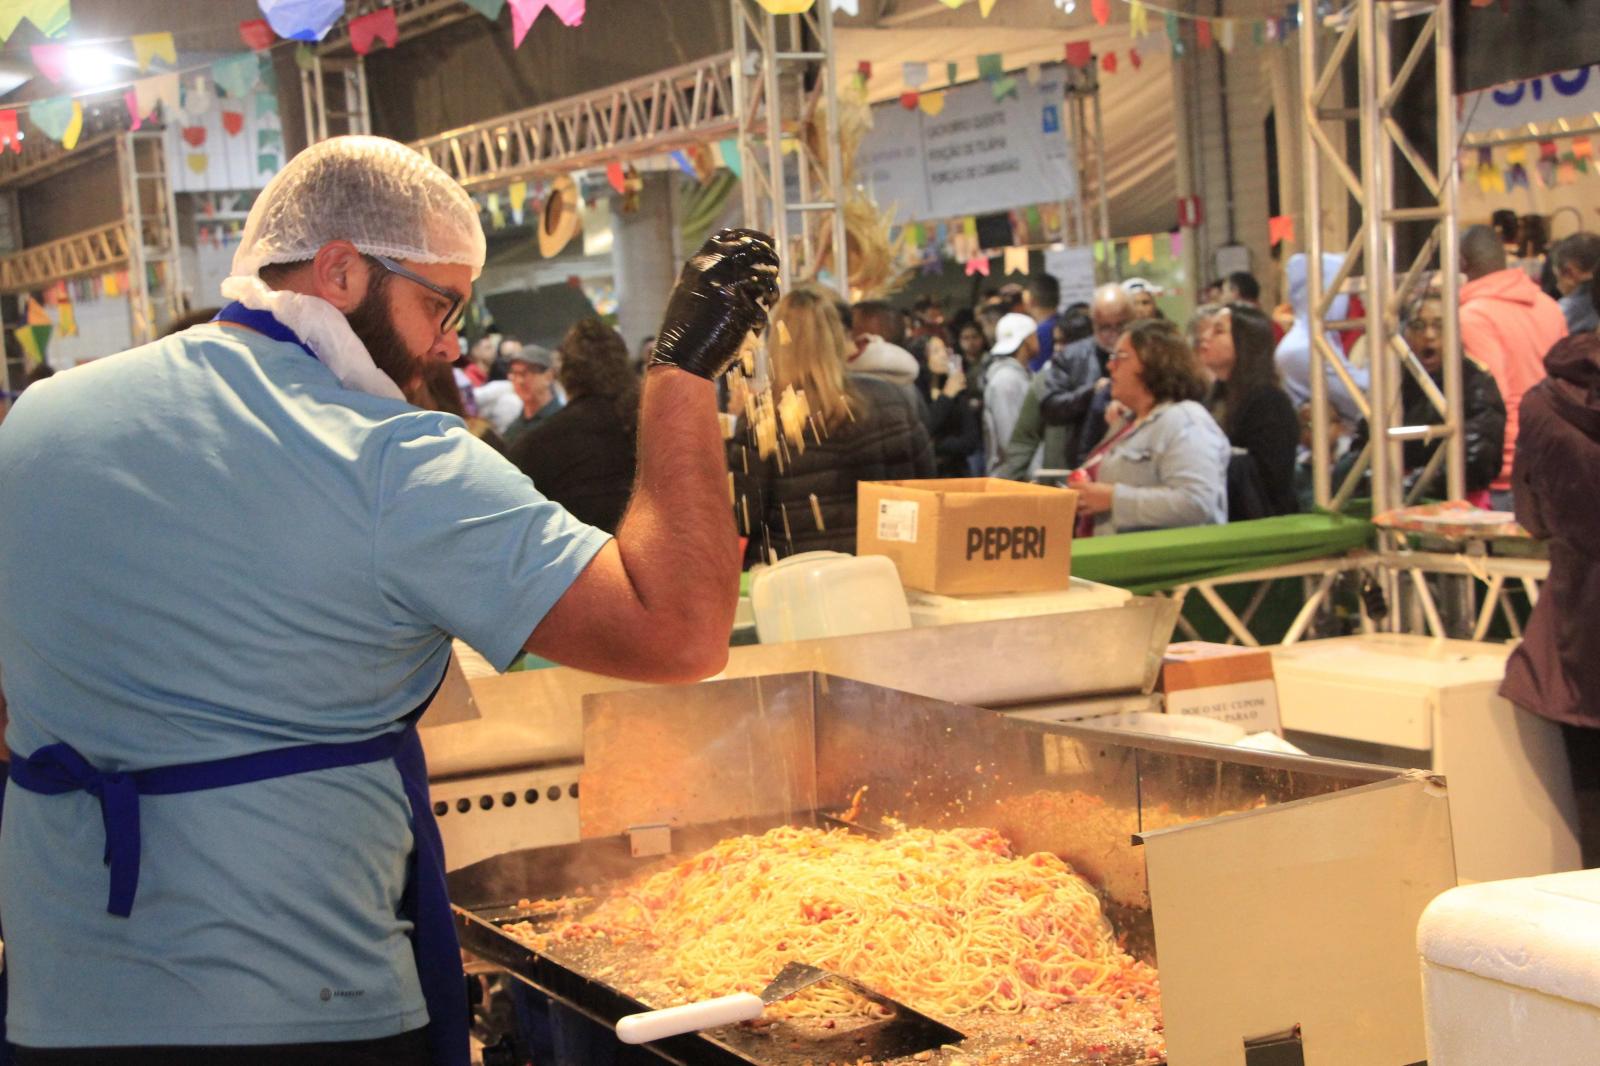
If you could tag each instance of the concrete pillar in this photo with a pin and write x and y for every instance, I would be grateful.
(644, 260)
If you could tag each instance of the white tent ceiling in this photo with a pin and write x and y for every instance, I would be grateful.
(1137, 105)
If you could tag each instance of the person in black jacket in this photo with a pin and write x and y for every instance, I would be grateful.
(1249, 403)
(1483, 407)
(955, 416)
(583, 456)
(866, 429)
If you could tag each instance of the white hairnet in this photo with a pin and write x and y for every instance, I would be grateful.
(373, 192)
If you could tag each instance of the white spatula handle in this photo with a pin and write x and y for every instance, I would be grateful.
(689, 1018)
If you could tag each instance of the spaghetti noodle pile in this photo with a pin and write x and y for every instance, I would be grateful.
(950, 922)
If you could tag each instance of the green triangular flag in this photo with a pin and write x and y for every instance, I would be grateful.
(266, 103)
(51, 16)
(489, 9)
(268, 138)
(990, 67)
(950, 72)
(268, 162)
(304, 57)
(1175, 34)
(1003, 88)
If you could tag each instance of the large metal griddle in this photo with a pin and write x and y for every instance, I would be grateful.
(719, 759)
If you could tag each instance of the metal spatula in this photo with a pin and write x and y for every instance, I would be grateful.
(920, 1031)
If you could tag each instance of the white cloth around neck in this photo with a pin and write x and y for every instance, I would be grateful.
(323, 329)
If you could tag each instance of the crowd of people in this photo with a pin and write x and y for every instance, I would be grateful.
(1156, 426)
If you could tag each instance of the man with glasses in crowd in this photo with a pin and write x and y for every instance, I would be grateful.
(1063, 415)
(224, 607)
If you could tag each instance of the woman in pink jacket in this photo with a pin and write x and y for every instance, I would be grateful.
(1507, 326)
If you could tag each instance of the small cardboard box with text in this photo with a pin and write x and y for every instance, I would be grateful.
(963, 536)
(1222, 681)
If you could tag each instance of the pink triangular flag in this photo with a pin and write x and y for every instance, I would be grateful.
(132, 100)
(51, 59)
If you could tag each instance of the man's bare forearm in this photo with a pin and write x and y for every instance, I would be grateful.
(677, 539)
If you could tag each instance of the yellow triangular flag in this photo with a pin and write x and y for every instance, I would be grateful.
(984, 7)
(1225, 35)
(109, 285)
(148, 46)
(952, 3)
(69, 137)
(30, 346)
(69, 319)
(787, 7)
(1142, 249)
(36, 314)
(931, 103)
(1138, 20)
(1016, 260)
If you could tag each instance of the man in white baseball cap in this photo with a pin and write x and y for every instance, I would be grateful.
(1006, 382)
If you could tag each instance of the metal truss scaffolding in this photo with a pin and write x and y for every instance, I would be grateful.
(150, 210)
(787, 100)
(1366, 29)
(1087, 218)
(675, 108)
(333, 92)
(93, 251)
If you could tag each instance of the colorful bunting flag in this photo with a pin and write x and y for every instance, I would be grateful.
(570, 12)
(1035, 72)
(374, 26)
(1135, 58)
(198, 97)
(1583, 152)
(497, 217)
(931, 103)
(1516, 172)
(1003, 88)
(1225, 36)
(977, 264)
(1138, 20)
(194, 136)
(616, 177)
(952, 4)
(1101, 9)
(52, 116)
(161, 89)
(302, 20)
(517, 199)
(1202, 33)
(1016, 260)
(683, 164)
(984, 7)
(1280, 228)
(266, 104)
(49, 17)
(1108, 62)
(908, 99)
(233, 122)
(489, 9)
(950, 73)
(9, 134)
(256, 34)
(915, 75)
(198, 162)
(1175, 34)
(266, 163)
(237, 75)
(51, 59)
(864, 70)
(69, 318)
(990, 66)
(848, 7)
(1142, 249)
(34, 313)
(1080, 53)
(304, 58)
(778, 7)
(1175, 243)
(148, 47)
(268, 138)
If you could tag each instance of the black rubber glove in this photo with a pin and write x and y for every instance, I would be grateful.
(722, 295)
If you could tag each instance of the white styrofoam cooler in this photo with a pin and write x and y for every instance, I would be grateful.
(1511, 972)
(1432, 704)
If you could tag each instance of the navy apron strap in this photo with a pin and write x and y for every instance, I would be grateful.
(263, 323)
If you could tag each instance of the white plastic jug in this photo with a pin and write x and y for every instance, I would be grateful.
(827, 594)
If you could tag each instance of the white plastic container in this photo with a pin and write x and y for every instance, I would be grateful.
(1511, 972)
(931, 609)
(827, 594)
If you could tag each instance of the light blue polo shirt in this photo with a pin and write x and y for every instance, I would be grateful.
(209, 548)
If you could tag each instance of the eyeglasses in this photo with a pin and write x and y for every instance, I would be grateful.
(458, 303)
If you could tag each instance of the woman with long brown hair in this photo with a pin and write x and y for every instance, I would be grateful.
(803, 496)
(1165, 464)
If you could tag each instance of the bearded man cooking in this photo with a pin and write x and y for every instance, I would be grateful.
(231, 565)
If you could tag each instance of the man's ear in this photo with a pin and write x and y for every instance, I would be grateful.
(340, 276)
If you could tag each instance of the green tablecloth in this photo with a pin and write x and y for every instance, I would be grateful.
(1163, 558)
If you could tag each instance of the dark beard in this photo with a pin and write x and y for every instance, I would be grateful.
(372, 325)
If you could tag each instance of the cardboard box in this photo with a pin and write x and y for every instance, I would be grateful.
(1222, 681)
(961, 536)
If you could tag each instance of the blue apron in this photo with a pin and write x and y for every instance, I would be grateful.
(57, 769)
